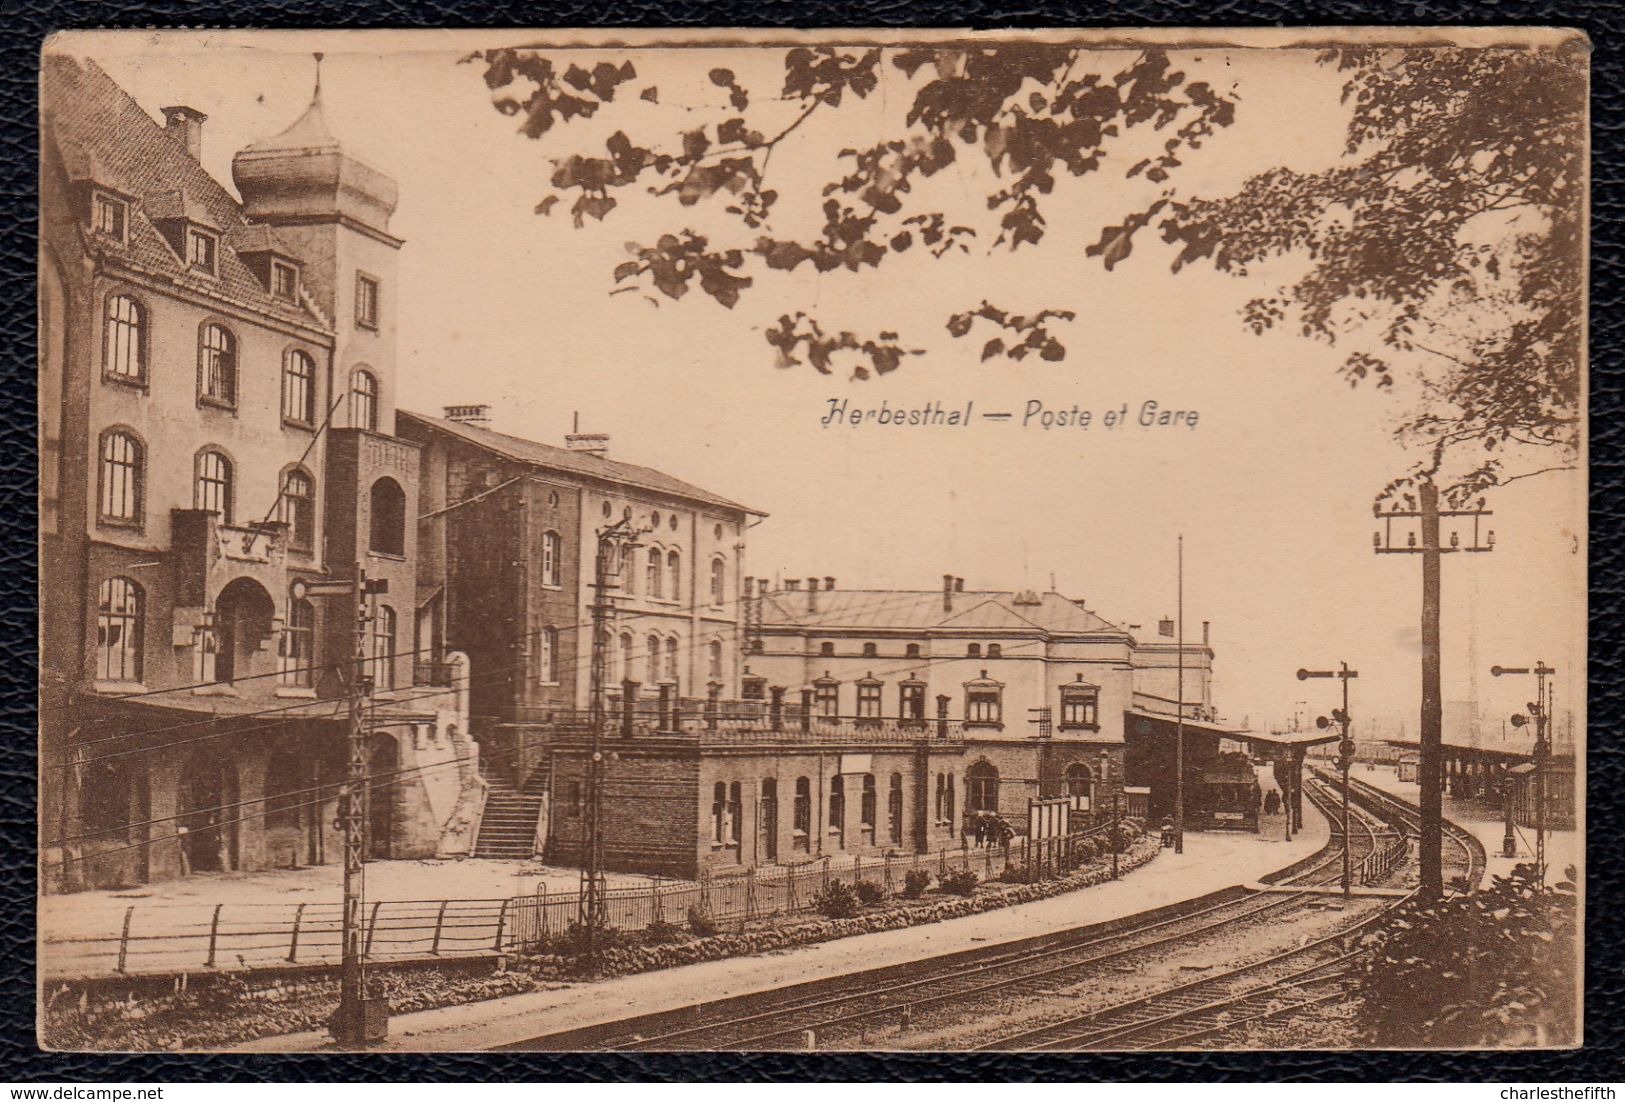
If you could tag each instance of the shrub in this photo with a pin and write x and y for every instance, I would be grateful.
(700, 923)
(837, 900)
(959, 882)
(1088, 849)
(869, 893)
(1016, 874)
(915, 883)
(661, 932)
(573, 942)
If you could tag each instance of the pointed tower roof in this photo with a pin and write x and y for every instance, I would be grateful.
(304, 174)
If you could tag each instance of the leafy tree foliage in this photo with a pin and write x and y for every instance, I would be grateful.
(1443, 250)
(1482, 969)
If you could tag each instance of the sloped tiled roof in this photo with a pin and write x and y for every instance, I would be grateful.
(103, 135)
(920, 610)
(574, 462)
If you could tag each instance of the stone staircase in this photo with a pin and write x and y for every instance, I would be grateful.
(508, 828)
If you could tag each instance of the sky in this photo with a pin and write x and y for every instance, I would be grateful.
(1271, 489)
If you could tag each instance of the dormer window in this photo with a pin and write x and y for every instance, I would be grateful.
(201, 251)
(111, 216)
(284, 281)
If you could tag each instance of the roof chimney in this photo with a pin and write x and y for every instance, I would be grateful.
(959, 585)
(812, 594)
(947, 593)
(185, 125)
(468, 415)
(829, 583)
(792, 584)
(1204, 632)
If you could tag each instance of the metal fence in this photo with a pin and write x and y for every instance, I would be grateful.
(165, 939)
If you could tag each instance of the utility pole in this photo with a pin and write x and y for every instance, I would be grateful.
(592, 904)
(1179, 708)
(1345, 755)
(359, 1019)
(1537, 711)
(1430, 772)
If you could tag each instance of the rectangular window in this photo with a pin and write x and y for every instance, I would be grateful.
(911, 701)
(1080, 710)
(110, 216)
(200, 252)
(869, 700)
(284, 281)
(366, 302)
(827, 699)
(983, 706)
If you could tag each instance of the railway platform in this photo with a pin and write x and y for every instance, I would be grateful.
(1210, 862)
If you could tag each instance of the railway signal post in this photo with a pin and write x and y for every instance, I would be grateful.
(1430, 772)
(1345, 754)
(1538, 712)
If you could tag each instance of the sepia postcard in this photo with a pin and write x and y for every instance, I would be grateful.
(824, 541)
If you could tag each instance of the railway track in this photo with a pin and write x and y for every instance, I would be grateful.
(835, 1012)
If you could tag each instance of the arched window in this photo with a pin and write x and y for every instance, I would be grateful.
(950, 788)
(124, 350)
(120, 626)
(364, 401)
(719, 812)
(869, 650)
(713, 661)
(801, 822)
(719, 581)
(547, 652)
(974, 650)
(297, 508)
(735, 807)
(629, 570)
(626, 671)
(212, 484)
(653, 657)
(388, 511)
(837, 803)
(298, 387)
(674, 569)
(942, 789)
(550, 558)
(866, 809)
(994, 650)
(671, 659)
(911, 651)
(1079, 779)
(826, 650)
(217, 365)
(894, 809)
(653, 575)
(298, 635)
(383, 648)
(982, 787)
(123, 477)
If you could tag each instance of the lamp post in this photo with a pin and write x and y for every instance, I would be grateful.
(1345, 754)
(1429, 774)
(1537, 711)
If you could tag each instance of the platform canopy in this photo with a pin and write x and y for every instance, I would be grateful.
(1288, 739)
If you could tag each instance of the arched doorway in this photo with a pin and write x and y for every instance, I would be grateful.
(982, 788)
(382, 789)
(242, 624)
(208, 801)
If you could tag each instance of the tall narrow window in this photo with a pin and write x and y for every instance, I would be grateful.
(364, 401)
(719, 581)
(827, 697)
(894, 809)
(200, 251)
(366, 302)
(866, 811)
(735, 809)
(120, 622)
(837, 802)
(671, 659)
(123, 474)
(124, 354)
(217, 365)
(802, 821)
(388, 528)
(653, 657)
(298, 509)
(383, 648)
(674, 570)
(911, 701)
(713, 661)
(298, 387)
(297, 636)
(719, 812)
(111, 216)
(629, 571)
(284, 281)
(869, 698)
(626, 669)
(653, 575)
(212, 487)
(547, 660)
(550, 558)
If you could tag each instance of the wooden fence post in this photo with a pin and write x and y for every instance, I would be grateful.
(124, 938)
(439, 923)
(293, 945)
(214, 934)
(750, 897)
(502, 925)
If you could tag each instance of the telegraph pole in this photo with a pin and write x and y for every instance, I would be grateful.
(592, 906)
(1345, 754)
(1430, 773)
(1179, 708)
(1537, 711)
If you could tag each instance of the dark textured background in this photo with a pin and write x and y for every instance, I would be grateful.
(21, 1061)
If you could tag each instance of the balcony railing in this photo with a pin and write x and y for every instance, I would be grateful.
(749, 722)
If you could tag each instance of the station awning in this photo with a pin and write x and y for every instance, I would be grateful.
(1139, 718)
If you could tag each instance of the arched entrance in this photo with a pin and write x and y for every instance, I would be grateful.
(382, 791)
(208, 798)
(982, 788)
(242, 624)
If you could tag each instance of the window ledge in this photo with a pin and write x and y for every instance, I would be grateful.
(123, 525)
(388, 556)
(208, 401)
(220, 689)
(554, 586)
(295, 423)
(119, 688)
(295, 692)
(131, 382)
(983, 725)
